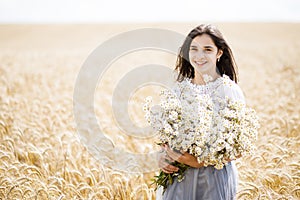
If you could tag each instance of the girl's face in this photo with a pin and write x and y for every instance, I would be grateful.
(203, 55)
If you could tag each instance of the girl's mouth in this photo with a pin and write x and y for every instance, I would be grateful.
(200, 63)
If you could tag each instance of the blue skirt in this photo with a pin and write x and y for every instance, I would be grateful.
(204, 183)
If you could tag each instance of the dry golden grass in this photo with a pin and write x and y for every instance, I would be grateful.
(41, 156)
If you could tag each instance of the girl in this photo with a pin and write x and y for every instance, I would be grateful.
(206, 63)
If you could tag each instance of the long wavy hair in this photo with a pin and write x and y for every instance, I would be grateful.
(226, 64)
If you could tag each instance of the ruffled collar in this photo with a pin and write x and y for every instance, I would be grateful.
(207, 88)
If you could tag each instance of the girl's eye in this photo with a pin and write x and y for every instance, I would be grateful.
(193, 49)
(207, 50)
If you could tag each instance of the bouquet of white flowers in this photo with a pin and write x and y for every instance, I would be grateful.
(190, 122)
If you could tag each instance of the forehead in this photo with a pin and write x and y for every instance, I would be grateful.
(203, 40)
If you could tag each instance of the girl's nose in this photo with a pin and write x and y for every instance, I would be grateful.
(200, 55)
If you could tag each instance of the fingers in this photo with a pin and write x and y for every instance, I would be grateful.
(167, 171)
(182, 157)
(167, 168)
(173, 155)
(165, 164)
(168, 158)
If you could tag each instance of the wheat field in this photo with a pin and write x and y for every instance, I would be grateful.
(41, 156)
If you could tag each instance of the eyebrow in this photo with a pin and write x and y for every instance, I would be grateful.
(207, 47)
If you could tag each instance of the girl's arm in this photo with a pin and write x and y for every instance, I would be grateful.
(183, 157)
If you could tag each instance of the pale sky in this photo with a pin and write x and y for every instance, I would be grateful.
(94, 11)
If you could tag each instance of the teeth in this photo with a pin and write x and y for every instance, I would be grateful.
(200, 63)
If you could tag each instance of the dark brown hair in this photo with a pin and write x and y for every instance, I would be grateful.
(226, 65)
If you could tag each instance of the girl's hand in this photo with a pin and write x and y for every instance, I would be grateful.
(164, 162)
(183, 157)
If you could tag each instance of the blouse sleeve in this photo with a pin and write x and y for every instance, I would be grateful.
(236, 93)
(232, 91)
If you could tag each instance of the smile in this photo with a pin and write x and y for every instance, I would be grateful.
(200, 63)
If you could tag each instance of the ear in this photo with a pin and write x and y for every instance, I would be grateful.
(220, 53)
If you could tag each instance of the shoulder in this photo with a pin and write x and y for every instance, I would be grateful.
(230, 89)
